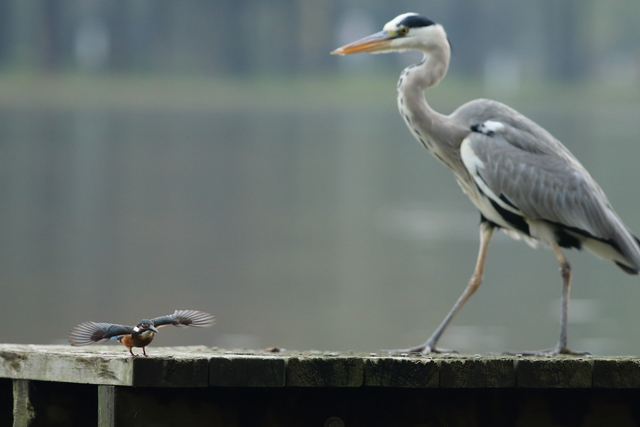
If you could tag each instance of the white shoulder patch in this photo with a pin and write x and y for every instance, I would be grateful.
(490, 127)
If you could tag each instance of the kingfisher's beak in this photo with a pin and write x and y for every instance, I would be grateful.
(372, 44)
(153, 328)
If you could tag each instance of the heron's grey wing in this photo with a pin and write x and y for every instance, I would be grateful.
(184, 318)
(94, 332)
(537, 186)
(523, 132)
(550, 187)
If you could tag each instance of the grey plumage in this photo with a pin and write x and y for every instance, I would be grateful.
(542, 181)
(521, 179)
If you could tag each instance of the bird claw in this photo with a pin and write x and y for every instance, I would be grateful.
(555, 351)
(421, 349)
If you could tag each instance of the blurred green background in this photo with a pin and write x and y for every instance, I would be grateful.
(211, 155)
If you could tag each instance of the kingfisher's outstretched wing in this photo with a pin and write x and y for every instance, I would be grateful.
(94, 332)
(184, 318)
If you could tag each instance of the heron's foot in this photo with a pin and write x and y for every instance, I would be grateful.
(549, 352)
(421, 349)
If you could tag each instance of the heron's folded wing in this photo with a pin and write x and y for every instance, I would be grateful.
(538, 186)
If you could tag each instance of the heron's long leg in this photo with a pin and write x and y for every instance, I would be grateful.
(561, 347)
(486, 233)
(565, 272)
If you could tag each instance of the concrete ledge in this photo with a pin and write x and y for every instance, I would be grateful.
(205, 367)
(195, 386)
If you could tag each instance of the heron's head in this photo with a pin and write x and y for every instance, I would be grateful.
(408, 31)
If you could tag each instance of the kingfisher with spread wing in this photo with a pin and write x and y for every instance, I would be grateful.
(140, 335)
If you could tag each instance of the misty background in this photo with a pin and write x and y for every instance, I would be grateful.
(159, 155)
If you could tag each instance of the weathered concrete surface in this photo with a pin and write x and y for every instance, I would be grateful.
(194, 386)
(205, 367)
(106, 365)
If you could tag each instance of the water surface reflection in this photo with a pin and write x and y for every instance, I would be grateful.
(327, 230)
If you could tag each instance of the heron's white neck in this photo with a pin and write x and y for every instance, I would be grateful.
(431, 128)
(428, 72)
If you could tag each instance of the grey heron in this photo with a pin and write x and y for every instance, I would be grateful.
(521, 179)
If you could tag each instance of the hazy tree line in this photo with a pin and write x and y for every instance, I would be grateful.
(562, 39)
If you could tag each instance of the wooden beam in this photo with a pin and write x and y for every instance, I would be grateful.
(23, 413)
(106, 406)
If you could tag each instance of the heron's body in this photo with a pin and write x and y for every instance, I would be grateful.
(528, 184)
(140, 335)
(521, 179)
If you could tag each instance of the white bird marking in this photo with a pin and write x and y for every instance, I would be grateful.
(490, 127)
(469, 158)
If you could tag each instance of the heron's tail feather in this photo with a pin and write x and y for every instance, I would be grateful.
(632, 255)
(628, 245)
(622, 247)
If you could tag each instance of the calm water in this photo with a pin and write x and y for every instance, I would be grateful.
(323, 230)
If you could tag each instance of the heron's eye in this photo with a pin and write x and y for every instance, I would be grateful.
(403, 31)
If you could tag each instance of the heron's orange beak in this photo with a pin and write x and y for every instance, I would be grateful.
(373, 43)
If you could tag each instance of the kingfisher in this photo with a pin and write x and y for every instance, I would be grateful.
(140, 335)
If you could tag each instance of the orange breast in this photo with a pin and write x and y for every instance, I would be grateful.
(142, 340)
(127, 341)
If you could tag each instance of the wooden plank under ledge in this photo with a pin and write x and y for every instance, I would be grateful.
(192, 386)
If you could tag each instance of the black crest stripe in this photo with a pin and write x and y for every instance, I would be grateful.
(416, 21)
